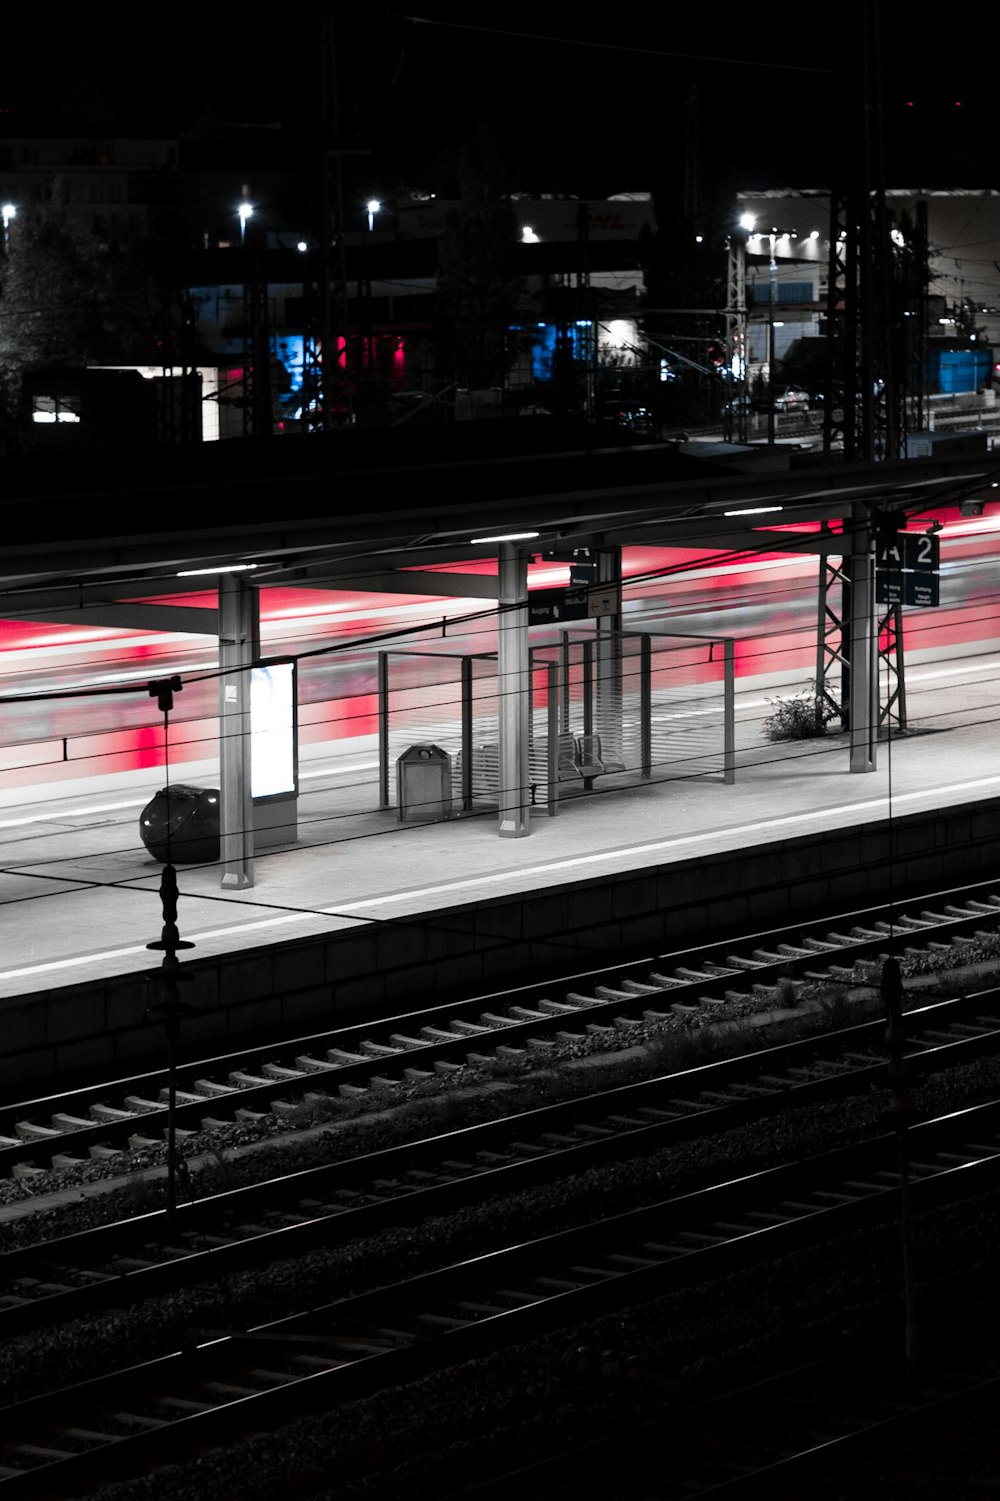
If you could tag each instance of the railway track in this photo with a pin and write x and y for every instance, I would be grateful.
(227, 1233)
(960, 1028)
(62, 1131)
(231, 1382)
(852, 1422)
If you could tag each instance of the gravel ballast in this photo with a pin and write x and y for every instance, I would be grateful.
(457, 1425)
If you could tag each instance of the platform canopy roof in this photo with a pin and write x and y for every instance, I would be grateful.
(349, 509)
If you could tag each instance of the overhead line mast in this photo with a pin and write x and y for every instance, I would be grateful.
(876, 331)
(324, 393)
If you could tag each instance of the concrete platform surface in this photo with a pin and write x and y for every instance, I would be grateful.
(79, 894)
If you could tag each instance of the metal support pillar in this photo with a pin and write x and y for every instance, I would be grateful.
(890, 651)
(840, 407)
(735, 424)
(831, 643)
(916, 324)
(587, 660)
(863, 704)
(608, 716)
(239, 647)
(467, 684)
(514, 687)
(552, 725)
(729, 702)
(383, 729)
(646, 706)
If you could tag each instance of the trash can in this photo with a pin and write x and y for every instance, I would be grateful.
(423, 784)
(191, 818)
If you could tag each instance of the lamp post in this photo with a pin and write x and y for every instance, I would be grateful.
(244, 213)
(772, 299)
(364, 333)
(736, 328)
(895, 1035)
(257, 414)
(8, 211)
(170, 1007)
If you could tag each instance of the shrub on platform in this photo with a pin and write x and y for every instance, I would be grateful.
(804, 717)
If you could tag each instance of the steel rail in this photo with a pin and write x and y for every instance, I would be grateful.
(60, 1130)
(229, 1383)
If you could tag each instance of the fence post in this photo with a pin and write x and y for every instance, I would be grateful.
(729, 700)
(383, 729)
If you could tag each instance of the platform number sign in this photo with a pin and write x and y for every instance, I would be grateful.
(583, 599)
(907, 569)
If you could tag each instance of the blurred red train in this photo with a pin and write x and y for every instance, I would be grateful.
(766, 601)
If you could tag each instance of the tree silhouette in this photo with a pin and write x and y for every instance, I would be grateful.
(477, 279)
(68, 299)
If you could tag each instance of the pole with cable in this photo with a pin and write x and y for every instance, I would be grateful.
(886, 527)
(902, 1112)
(170, 1007)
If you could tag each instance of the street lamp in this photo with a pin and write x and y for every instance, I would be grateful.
(257, 414)
(366, 353)
(8, 212)
(245, 212)
(772, 299)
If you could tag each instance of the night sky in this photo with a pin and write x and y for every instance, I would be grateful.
(619, 101)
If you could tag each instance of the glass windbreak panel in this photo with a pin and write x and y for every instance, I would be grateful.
(424, 702)
(485, 748)
(687, 708)
(601, 703)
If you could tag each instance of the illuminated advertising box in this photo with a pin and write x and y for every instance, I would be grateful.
(274, 758)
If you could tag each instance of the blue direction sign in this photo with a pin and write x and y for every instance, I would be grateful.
(553, 606)
(568, 555)
(907, 589)
(907, 570)
(913, 552)
(582, 563)
(921, 589)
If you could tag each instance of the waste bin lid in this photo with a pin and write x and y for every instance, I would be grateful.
(424, 752)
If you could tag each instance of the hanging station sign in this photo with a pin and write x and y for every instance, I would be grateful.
(554, 606)
(907, 570)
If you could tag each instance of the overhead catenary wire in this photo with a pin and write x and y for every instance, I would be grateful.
(764, 545)
(797, 751)
(758, 546)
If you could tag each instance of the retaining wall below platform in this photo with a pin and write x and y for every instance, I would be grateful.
(100, 1029)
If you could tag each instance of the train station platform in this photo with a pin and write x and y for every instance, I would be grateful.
(366, 912)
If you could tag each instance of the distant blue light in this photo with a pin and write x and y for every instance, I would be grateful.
(544, 351)
(290, 350)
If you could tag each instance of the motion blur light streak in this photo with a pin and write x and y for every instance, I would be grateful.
(767, 603)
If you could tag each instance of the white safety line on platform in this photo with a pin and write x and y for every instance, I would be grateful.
(345, 910)
(18, 823)
(570, 861)
(111, 955)
(60, 814)
(338, 771)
